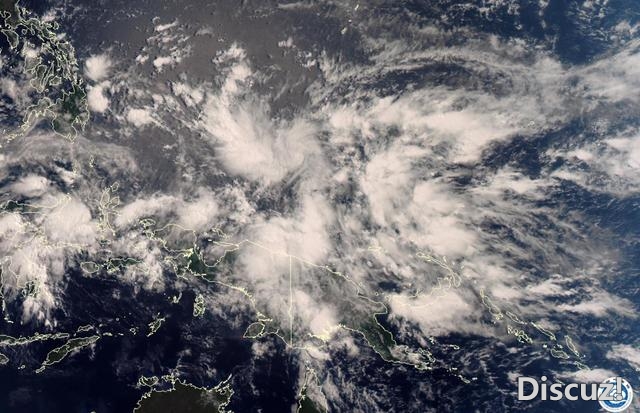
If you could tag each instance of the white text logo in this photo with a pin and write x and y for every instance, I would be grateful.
(614, 394)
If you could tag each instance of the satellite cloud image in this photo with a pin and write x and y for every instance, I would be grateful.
(319, 206)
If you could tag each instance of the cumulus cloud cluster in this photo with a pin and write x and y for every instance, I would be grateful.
(319, 220)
